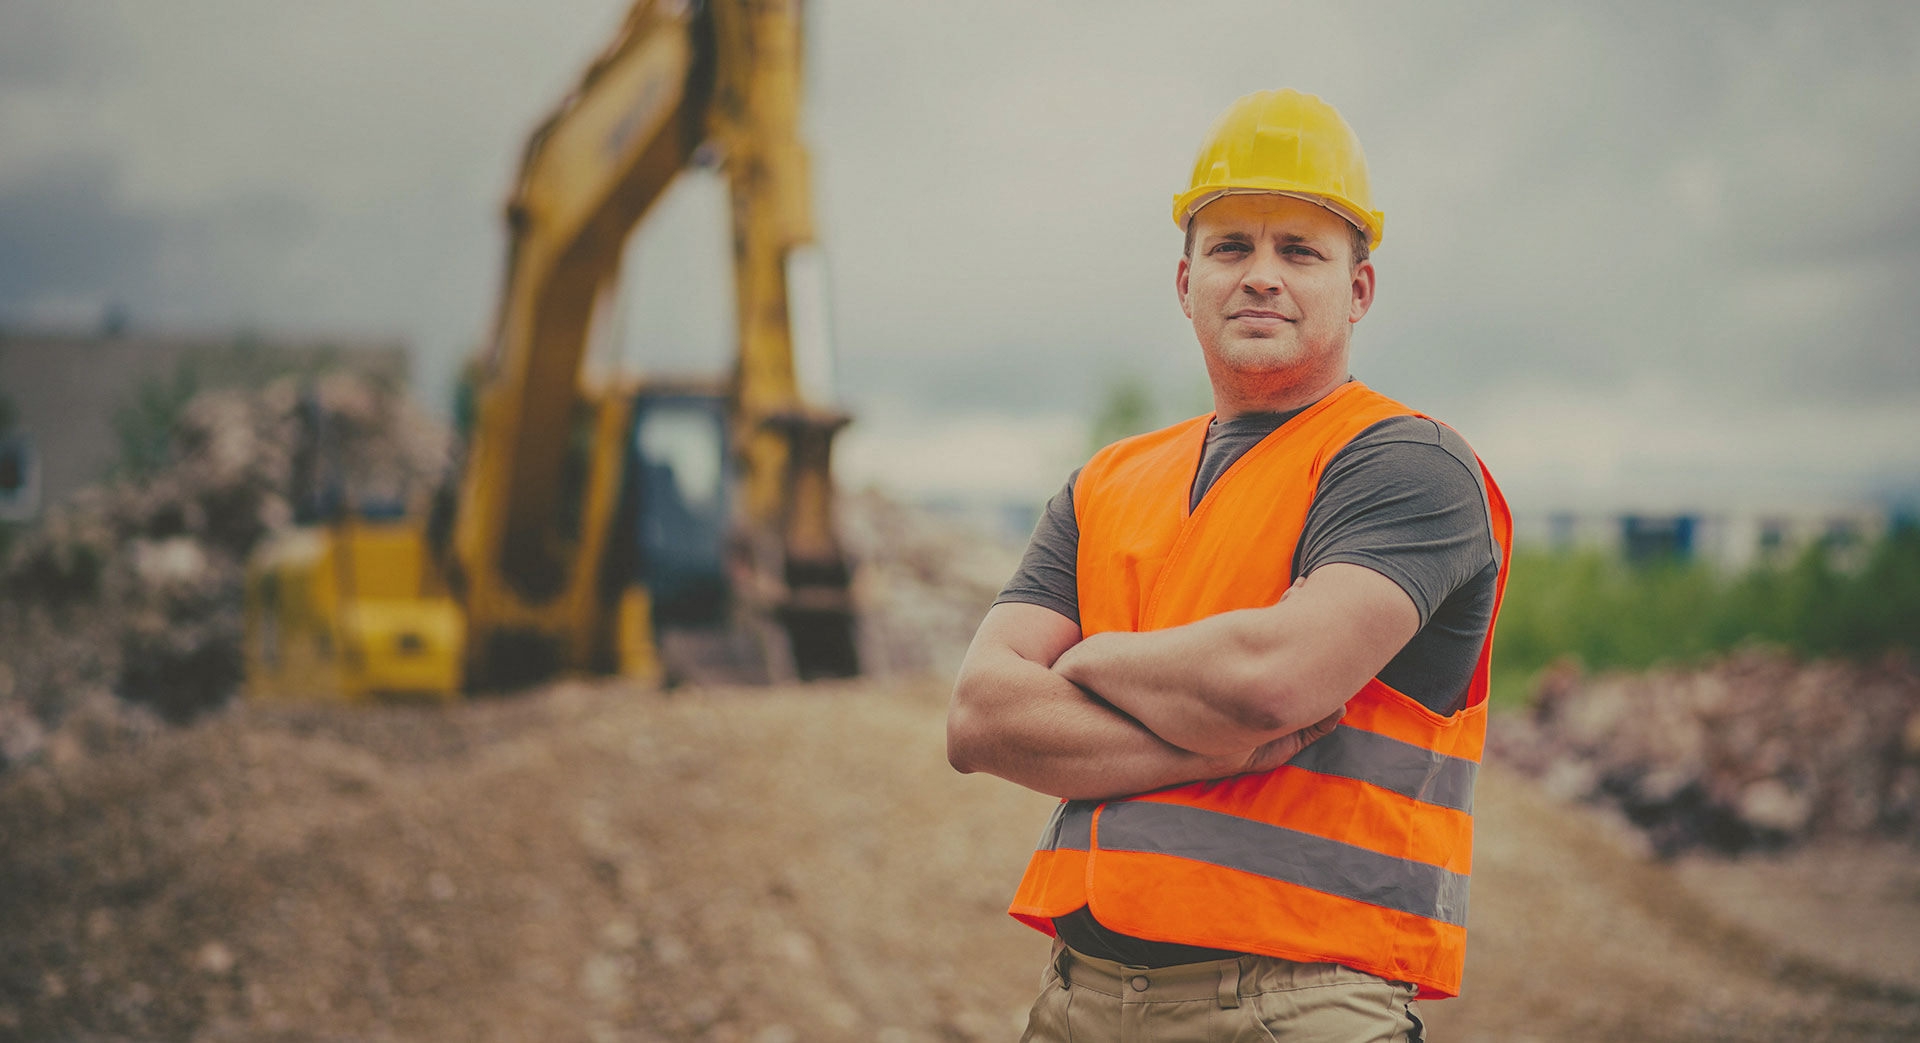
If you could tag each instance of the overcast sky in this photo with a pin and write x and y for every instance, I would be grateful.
(1635, 253)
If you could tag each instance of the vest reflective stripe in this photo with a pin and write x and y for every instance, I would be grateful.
(1329, 866)
(1358, 852)
(1340, 809)
(1349, 805)
(1322, 792)
(1214, 906)
(1424, 775)
(1070, 828)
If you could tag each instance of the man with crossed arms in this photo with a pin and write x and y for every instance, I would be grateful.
(1250, 650)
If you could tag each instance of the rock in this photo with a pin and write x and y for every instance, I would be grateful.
(97, 723)
(797, 949)
(21, 735)
(1769, 804)
(603, 979)
(177, 562)
(669, 949)
(214, 958)
(621, 933)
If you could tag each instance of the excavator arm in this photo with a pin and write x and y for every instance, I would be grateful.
(718, 80)
(589, 174)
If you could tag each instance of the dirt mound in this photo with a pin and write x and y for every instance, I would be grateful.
(613, 864)
(1756, 750)
(606, 863)
(923, 582)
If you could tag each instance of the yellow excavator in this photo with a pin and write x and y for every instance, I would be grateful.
(644, 528)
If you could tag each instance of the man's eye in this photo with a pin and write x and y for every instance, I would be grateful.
(1234, 247)
(1302, 251)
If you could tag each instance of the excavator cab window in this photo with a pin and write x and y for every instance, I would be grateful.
(679, 499)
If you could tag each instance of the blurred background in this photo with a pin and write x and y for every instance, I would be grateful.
(1655, 263)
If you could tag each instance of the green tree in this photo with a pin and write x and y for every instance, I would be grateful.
(1608, 614)
(1127, 409)
(143, 424)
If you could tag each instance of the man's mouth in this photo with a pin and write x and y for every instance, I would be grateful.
(1258, 315)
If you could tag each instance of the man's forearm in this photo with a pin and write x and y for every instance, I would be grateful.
(1240, 678)
(1014, 715)
(1029, 725)
(1204, 687)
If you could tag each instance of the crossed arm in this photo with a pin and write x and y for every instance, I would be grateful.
(1122, 713)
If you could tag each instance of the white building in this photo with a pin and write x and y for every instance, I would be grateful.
(1731, 535)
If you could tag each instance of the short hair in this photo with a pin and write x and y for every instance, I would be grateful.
(1360, 239)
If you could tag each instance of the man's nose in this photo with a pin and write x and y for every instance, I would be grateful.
(1264, 275)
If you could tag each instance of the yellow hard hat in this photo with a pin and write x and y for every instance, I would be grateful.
(1288, 143)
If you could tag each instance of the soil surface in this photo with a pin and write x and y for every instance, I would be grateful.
(601, 862)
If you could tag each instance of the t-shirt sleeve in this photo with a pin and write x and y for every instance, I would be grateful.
(1048, 574)
(1405, 498)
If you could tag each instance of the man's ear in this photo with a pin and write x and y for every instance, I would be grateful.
(1363, 280)
(1180, 286)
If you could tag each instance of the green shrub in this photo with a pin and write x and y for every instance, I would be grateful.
(1606, 613)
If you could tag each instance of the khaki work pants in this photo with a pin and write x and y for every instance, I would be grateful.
(1253, 999)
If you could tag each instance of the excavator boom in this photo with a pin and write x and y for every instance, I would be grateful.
(545, 556)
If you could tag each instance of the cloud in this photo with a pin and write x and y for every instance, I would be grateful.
(1661, 446)
(64, 238)
(995, 457)
(1596, 199)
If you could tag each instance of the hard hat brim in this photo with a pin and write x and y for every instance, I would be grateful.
(1189, 203)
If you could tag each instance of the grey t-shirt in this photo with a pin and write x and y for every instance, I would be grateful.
(1405, 498)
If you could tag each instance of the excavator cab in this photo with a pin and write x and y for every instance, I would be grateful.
(677, 508)
(699, 592)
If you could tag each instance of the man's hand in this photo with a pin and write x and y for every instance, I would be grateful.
(1271, 755)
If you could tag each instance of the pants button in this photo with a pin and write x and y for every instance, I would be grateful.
(1139, 983)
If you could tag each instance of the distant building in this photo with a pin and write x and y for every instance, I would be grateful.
(70, 396)
(1730, 536)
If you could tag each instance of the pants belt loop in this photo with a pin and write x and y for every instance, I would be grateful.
(1229, 984)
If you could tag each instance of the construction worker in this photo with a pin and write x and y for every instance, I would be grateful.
(1250, 650)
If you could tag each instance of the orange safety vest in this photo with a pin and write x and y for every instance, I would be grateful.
(1355, 852)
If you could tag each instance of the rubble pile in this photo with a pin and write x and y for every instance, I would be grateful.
(922, 582)
(132, 588)
(1754, 751)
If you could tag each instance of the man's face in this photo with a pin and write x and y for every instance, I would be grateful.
(1272, 289)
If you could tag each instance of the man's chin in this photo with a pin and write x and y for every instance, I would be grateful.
(1261, 356)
